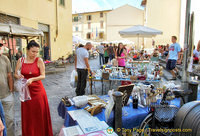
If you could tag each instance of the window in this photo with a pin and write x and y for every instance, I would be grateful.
(101, 35)
(88, 35)
(101, 14)
(75, 19)
(62, 2)
(76, 28)
(89, 17)
(89, 25)
(101, 24)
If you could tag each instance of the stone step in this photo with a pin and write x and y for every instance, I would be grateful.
(163, 63)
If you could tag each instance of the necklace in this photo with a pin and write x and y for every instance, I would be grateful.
(30, 69)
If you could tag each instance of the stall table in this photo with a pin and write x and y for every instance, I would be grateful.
(110, 80)
(131, 118)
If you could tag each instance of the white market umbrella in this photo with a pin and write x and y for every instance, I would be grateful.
(139, 31)
(125, 41)
(77, 40)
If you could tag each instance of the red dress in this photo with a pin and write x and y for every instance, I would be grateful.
(36, 120)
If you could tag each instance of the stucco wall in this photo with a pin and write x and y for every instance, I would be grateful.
(32, 12)
(163, 15)
(122, 18)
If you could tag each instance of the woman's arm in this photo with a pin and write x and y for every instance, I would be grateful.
(18, 66)
(1, 127)
(42, 72)
(125, 54)
(116, 53)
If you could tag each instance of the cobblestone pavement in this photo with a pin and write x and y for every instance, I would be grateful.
(57, 86)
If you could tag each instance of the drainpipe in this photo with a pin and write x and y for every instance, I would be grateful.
(185, 75)
(56, 18)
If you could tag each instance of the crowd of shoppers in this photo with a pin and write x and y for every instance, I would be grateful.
(108, 52)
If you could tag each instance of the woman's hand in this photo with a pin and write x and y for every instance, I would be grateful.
(1, 128)
(20, 76)
(29, 81)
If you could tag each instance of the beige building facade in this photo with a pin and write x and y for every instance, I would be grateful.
(90, 25)
(53, 17)
(121, 18)
(163, 15)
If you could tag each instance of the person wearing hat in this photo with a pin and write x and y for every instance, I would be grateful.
(6, 95)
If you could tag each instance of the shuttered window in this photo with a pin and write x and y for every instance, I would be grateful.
(9, 19)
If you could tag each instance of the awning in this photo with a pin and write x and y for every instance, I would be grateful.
(19, 31)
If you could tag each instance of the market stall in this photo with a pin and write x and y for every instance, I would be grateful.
(11, 31)
(133, 72)
(132, 115)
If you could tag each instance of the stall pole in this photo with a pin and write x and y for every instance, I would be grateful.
(9, 50)
(13, 52)
(90, 85)
(138, 42)
(118, 112)
(102, 86)
(13, 46)
(110, 82)
(186, 39)
(27, 40)
(193, 86)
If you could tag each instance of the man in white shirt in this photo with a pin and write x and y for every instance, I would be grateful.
(100, 50)
(82, 66)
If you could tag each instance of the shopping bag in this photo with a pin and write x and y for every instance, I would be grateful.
(24, 93)
(18, 85)
(73, 81)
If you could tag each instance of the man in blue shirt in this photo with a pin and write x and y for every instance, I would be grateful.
(173, 57)
(2, 122)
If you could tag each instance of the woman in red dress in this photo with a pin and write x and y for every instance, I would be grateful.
(36, 120)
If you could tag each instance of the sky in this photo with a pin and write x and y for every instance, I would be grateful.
(79, 6)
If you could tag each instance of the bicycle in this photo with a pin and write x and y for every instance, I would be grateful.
(161, 117)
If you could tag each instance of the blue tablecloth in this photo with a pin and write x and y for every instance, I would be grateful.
(2, 116)
(131, 118)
